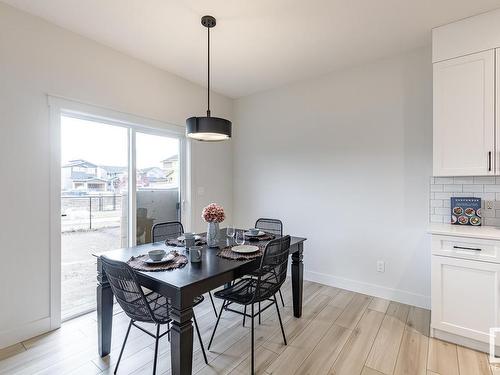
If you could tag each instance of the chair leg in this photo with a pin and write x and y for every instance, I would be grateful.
(281, 297)
(259, 313)
(213, 304)
(279, 318)
(252, 345)
(168, 331)
(216, 324)
(199, 338)
(157, 339)
(123, 346)
(245, 315)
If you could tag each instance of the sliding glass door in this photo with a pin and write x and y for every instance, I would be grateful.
(157, 182)
(117, 181)
(94, 186)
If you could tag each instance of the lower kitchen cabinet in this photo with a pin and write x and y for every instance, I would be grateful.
(465, 297)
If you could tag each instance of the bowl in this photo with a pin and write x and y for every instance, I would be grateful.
(156, 255)
(254, 231)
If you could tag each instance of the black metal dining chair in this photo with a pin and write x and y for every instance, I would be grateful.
(140, 307)
(168, 231)
(249, 291)
(273, 226)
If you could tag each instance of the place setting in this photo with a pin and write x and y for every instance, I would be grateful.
(255, 234)
(158, 260)
(241, 250)
(187, 240)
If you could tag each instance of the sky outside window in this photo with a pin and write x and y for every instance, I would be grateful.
(104, 144)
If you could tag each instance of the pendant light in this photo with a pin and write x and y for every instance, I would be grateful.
(208, 129)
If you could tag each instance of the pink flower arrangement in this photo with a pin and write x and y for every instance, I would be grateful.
(213, 213)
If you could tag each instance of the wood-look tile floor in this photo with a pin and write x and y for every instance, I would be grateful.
(340, 332)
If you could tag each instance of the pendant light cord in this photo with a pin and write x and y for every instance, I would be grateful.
(208, 73)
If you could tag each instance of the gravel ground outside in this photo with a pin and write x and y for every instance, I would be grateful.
(78, 268)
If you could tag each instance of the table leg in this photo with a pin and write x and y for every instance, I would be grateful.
(297, 280)
(181, 340)
(104, 312)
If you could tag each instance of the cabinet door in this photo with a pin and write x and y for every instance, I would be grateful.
(464, 115)
(465, 296)
(497, 99)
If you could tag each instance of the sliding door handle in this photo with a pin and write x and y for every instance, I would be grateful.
(489, 161)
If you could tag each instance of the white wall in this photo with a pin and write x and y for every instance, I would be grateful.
(37, 58)
(345, 160)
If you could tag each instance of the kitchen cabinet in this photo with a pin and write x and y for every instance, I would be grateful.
(497, 112)
(465, 284)
(465, 297)
(464, 115)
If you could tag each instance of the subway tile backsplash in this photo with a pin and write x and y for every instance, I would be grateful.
(443, 188)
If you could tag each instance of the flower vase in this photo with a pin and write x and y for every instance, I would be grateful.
(213, 234)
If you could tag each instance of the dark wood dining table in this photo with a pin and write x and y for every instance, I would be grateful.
(181, 286)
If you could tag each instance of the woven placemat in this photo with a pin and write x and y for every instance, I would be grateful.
(175, 242)
(266, 237)
(227, 253)
(137, 263)
(260, 242)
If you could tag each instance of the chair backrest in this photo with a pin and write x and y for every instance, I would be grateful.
(166, 231)
(127, 291)
(273, 267)
(273, 226)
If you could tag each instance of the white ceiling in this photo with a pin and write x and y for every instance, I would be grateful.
(257, 44)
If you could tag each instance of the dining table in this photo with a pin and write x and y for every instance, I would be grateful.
(181, 286)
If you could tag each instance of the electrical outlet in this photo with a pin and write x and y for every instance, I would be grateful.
(380, 266)
(488, 205)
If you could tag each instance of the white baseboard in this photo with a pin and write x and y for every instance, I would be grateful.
(462, 341)
(380, 291)
(24, 332)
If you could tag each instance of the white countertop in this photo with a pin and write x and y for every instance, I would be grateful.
(485, 232)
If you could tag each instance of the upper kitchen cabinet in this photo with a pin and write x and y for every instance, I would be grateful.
(464, 115)
(497, 112)
(466, 132)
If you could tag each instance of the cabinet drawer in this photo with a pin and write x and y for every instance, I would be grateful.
(466, 248)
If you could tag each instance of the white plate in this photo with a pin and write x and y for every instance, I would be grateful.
(260, 234)
(166, 258)
(243, 249)
(196, 238)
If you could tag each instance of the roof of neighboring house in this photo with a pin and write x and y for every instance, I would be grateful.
(81, 176)
(145, 170)
(162, 178)
(90, 179)
(113, 169)
(171, 158)
(79, 163)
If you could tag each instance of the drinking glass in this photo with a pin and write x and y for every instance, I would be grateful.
(230, 231)
(240, 237)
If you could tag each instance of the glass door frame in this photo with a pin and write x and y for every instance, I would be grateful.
(63, 107)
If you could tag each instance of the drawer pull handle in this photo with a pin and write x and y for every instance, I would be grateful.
(466, 248)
